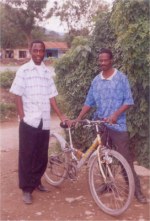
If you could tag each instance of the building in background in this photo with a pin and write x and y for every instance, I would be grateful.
(17, 53)
(53, 49)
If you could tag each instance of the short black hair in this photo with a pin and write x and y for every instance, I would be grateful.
(107, 51)
(37, 41)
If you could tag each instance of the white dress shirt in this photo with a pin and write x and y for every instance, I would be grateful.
(35, 85)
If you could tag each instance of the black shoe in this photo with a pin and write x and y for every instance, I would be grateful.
(42, 188)
(141, 198)
(27, 198)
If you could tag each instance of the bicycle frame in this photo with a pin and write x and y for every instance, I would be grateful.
(97, 144)
(68, 147)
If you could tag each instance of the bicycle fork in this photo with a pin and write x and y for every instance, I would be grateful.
(108, 160)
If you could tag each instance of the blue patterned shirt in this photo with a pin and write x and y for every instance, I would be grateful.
(108, 95)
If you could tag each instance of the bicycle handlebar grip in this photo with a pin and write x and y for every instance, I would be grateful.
(63, 125)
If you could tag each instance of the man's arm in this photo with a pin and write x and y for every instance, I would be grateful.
(19, 106)
(57, 110)
(113, 118)
(85, 109)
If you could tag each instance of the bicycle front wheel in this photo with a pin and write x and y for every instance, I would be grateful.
(56, 170)
(114, 193)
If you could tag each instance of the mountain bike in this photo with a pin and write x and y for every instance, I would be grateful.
(110, 179)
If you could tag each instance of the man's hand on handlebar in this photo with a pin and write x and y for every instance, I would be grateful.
(112, 119)
(69, 123)
(65, 121)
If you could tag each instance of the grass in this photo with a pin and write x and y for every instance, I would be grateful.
(6, 79)
(7, 111)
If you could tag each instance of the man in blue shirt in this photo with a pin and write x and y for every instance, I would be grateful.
(110, 93)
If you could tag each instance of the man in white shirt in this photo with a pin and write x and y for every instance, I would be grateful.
(35, 94)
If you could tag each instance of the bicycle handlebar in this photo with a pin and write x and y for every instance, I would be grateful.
(91, 122)
(84, 122)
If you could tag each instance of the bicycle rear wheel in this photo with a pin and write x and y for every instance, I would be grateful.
(115, 194)
(56, 170)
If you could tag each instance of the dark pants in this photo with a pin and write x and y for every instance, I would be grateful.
(120, 142)
(33, 155)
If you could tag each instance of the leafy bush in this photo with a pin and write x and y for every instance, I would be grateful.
(125, 30)
(6, 79)
(133, 16)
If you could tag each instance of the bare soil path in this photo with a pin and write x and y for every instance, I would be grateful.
(71, 201)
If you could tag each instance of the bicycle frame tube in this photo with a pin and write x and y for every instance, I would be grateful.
(98, 154)
(90, 150)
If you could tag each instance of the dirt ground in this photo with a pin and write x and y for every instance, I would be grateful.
(71, 201)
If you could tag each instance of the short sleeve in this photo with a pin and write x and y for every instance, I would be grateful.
(52, 89)
(18, 84)
(90, 101)
(128, 99)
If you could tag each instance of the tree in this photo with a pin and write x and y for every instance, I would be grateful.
(79, 15)
(9, 32)
(26, 14)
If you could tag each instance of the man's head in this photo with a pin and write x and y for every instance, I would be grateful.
(37, 51)
(105, 59)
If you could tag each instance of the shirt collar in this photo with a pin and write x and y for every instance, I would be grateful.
(110, 78)
(31, 65)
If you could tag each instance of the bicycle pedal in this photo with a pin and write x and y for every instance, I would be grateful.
(73, 179)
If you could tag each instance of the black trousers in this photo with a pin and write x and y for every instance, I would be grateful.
(120, 142)
(33, 155)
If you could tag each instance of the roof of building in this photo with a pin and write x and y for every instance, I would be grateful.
(56, 44)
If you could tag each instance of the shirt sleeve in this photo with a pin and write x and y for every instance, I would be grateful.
(128, 99)
(90, 101)
(18, 84)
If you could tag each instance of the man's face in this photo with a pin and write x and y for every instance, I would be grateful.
(105, 61)
(37, 53)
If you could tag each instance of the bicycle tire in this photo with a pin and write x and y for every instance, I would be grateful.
(57, 165)
(112, 196)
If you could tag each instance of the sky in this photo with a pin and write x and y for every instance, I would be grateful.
(54, 24)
